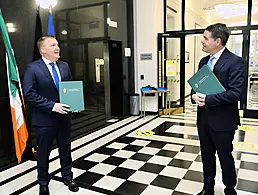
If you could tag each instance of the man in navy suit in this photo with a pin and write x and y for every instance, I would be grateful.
(50, 119)
(218, 115)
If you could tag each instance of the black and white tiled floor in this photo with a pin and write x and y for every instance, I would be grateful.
(252, 103)
(117, 161)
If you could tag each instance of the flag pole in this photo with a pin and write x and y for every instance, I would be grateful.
(50, 8)
(51, 30)
(38, 8)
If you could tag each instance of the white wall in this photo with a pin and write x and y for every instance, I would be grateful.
(148, 23)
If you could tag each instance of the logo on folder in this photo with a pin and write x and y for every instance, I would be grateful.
(64, 90)
(196, 85)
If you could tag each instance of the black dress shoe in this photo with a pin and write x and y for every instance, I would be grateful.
(205, 192)
(43, 190)
(72, 186)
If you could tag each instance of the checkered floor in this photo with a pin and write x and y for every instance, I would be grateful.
(141, 166)
(166, 163)
(252, 97)
(134, 166)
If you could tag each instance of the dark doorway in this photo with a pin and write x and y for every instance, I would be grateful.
(116, 77)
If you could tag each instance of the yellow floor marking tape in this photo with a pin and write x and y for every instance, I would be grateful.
(145, 133)
(245, 145)
(247, 128)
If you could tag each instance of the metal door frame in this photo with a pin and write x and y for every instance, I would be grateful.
(182, 35)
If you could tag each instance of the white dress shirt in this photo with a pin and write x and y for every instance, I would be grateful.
(216, 57)
(214, 61)
(50, 68)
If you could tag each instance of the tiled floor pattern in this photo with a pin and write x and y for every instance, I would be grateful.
(252, 97)
(166, 163)
(145, 165)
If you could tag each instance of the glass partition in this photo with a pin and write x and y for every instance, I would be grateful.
(172, 70)
(174, 15)
(254, 12)
(252, 90)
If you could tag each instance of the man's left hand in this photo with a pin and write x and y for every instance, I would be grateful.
(201, 101)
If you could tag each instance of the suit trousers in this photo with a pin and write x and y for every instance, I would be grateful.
(221, 142)
(45, 137)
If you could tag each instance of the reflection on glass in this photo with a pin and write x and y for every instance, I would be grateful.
(235, 43)
(252, 94)
(61, 26)
(77, 30)
(251, 61)
(81, 23)
(95, 87)
(254, 12)
(174, 16)
(193, 46)
(64, 51)
(232, 13)
(61, 15)
(87, 22)
(256, 51)
(173, 78)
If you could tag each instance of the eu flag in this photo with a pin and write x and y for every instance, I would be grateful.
(50, 29)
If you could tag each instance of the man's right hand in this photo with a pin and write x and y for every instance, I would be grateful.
(61, 108)
(199, 99)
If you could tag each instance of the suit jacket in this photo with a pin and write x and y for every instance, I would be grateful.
(222, 109)
(41, 92)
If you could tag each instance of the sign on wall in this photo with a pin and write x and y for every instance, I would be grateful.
(170, 68)
(97, 70)
(146, 56)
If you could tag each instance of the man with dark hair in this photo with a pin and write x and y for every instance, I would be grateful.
(218, 115)
(50, 119)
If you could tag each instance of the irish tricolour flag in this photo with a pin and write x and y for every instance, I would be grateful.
(14, 84)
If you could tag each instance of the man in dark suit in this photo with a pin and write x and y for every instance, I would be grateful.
(50, 119)
(218, 115)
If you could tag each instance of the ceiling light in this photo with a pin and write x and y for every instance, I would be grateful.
(64, 32)
(46, 3)
(230, 10)
(9, 25)
(11, 29)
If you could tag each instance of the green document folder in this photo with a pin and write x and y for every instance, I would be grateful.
(205, 82)
(71, 93)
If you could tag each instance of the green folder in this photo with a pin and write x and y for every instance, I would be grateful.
(71, 93)
(204, 81)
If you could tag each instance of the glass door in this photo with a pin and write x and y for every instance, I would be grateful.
(171, 73)
(179, 55)
(172, 70)
(95, 83)
(82, 35)
(252, 87)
